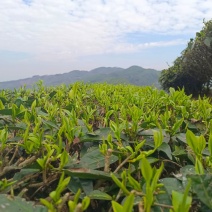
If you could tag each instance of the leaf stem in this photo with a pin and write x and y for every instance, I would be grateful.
(121, 164)
(163, 205)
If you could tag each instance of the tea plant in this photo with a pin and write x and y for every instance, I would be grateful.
(100, 147)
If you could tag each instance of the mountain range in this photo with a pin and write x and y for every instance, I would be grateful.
(135, 75)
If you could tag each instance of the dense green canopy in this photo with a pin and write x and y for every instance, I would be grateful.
(193, 69)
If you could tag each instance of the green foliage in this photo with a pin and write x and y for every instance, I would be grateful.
(11, 203)
(151, 177)
(201, 185)
(5, 184)
(85, 147)
(193, 69)
(127, 205)
(181, 202)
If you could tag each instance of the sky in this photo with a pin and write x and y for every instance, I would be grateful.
(43, 37)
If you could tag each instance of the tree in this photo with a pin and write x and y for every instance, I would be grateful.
(193, 69)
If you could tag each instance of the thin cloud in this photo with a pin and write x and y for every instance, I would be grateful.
(70, 29)
(131, 48)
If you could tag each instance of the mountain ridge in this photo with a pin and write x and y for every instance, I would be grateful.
(133, 75)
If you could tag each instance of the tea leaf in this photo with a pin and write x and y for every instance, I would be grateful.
(96, 194)
(9, 203)
(201, 185)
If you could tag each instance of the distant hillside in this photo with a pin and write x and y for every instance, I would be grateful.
(133, 75)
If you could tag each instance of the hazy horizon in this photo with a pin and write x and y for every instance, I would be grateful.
(51, 37)
(74, 70)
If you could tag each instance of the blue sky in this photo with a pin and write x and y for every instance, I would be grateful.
(40, 37)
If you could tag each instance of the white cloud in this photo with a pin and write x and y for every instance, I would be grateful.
(126, 47)
(67, 29)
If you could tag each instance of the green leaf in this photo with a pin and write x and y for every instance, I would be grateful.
(206, 152)
(48, 204)
(181, 137)
(18, 126)
(25, 171)
(85, 173)
(117, 207)
(192, 127)
(104, 132)
(186, 199)
(86, 185)
(74, 184)
(188, 169)
(90, 138)
(176, 199)
(94, 159)
(177, 125)
(96, 194)
(77, 196)
(9, 203)
(63, 159)
(171, 184)
(191, 140)
(3, 100)
(139, 146)
(156, 176)
(171, 91)
(202, 186)
(85, 203)
(71, 205)
(164, 199)
(134, 183)
(199, 167)
(52, 93)
(50, 124)
(128, 203)
(6, 112)
(148, 198)
(201, 144)
(210, 143)
(178, 204)
(98, 135)
(184, 171)
(158, 138)
(119, 184)
(146, 170)
(179, 152)
(148, 132)
(164, 147)
(152, 160)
